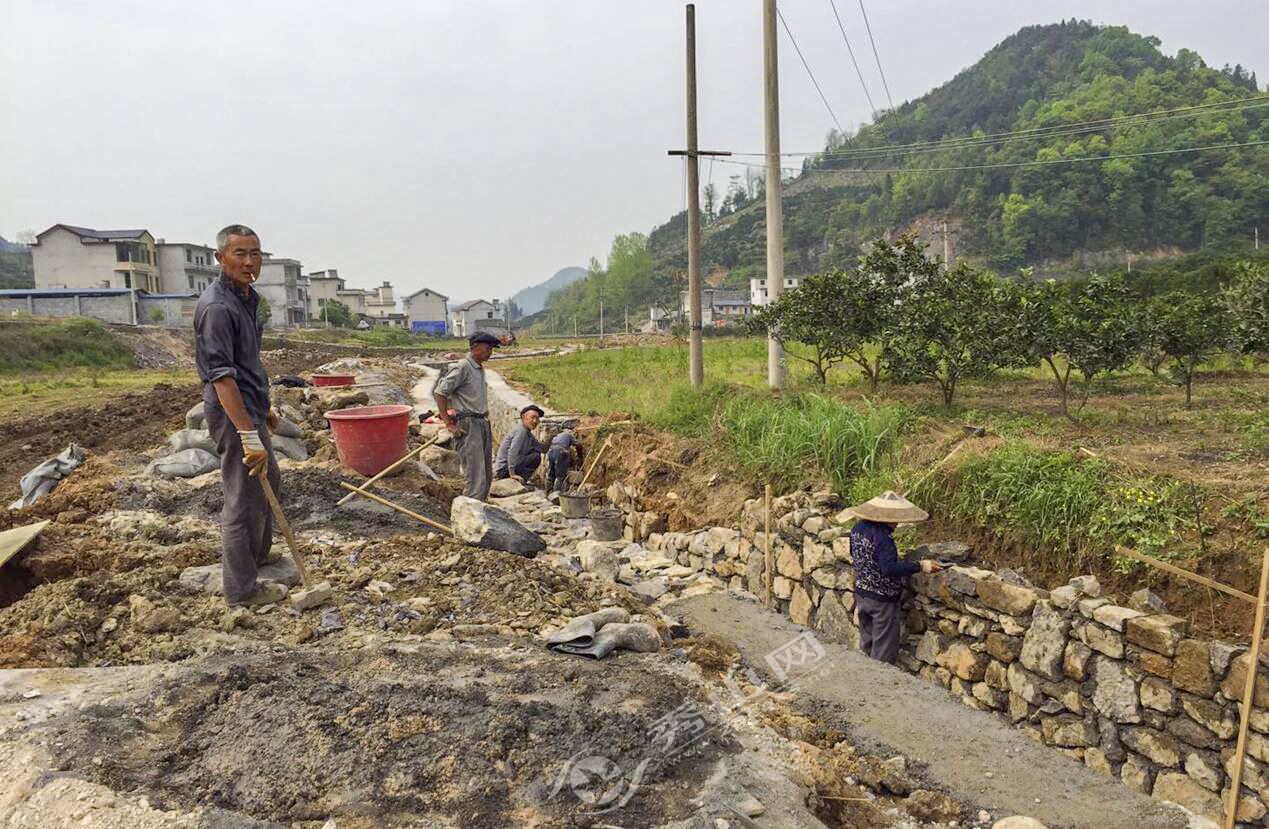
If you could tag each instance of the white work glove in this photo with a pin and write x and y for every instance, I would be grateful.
(930, 566)
(254, 455)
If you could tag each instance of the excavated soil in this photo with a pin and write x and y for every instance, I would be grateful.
(378, 738)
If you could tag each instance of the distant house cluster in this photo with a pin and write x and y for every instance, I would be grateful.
(130, 277)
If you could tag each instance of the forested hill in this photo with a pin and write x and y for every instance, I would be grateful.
(1058, 92)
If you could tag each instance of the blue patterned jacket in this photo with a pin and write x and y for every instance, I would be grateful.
(879, 573)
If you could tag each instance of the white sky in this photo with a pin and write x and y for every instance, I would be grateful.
(474, 146)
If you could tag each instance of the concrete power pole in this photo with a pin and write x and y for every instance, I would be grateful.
(947, 249)
(775, 209)
(696, 357)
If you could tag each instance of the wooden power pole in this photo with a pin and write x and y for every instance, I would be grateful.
(696, 358)
(775, 209)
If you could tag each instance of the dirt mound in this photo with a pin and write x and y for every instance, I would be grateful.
(430, 737)
(135, 421)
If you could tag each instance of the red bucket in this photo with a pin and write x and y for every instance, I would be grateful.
(369, 439)
(332, 379)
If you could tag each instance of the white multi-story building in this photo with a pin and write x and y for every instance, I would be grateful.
(427, 312)
(758, 289)
(185, 267)
(67, 256)
(478, 315)
(323, 287)
(280, 283)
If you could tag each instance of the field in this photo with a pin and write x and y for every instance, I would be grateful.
(1136, 468)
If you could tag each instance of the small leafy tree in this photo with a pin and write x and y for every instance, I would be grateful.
(1192, 328)
(263, 311)
(1247, 300)
(1090, 329)
(1150, 315)
(955, 324)
(874, 290)
(337, 314)
(811, 315)
(156, 316)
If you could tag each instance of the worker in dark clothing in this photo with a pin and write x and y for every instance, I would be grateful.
(236, 403)
(520, 453)
(559, 459)
(462, 398)
(880, 575)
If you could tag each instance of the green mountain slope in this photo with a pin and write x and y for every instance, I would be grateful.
(1001, 207)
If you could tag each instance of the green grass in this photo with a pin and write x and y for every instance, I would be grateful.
(77, 342)
(20, 396)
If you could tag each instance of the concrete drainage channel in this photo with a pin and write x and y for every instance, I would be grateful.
(433, 700)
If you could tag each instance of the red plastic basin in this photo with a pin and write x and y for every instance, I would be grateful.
(369, 439)
(332, 379)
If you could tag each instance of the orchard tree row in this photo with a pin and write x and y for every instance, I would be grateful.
(903, 316)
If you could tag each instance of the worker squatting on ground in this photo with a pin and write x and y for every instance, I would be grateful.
(236, 402)
(520, 453)
(463, 401)
(880, 576)
(559, 459)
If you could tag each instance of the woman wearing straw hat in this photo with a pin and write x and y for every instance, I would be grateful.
(880, 575)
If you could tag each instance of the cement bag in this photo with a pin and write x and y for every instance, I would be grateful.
(289, 447)
(185, 464)
(192, 439)
(195, 418)
(288, 429)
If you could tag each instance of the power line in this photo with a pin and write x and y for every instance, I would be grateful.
(807, 66)
(1043, 132)
(871, 106)
(880, 71)
(1037, 163)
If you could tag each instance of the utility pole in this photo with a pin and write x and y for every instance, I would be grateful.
(574, 325)
(627, 319)
(775, 209)
(947, 250)
(696, 358)
(601, 313)
(1257, 230)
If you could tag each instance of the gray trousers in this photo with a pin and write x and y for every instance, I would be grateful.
(879, 628)
(557, 464)
(246, 523)
(475, 451)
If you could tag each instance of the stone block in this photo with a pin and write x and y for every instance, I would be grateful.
(1160, 748)
(1204, 768)
(815, 555)
(997, 675)
(1192, 733)
(789, 564)
(1161, 633)
(1192, 668)
(1114, 617)
(781, 587)
(841, 549)
(1007, 598)
(1069, 731)
(972, 626)
(1087, 607)
(1110, 743)
(1002, 647)
(1114, 691)
(1087, 585)
(1045, 642)
(964, 579)
(963, 662)
(834, 618)
(1101, 639)
(1232, 686)
(1180, 789)
(1158, 694)
(1024, 684)
(1250, 809)
(1137, 774)
(1096, 760)
(800, 607)
(929, 647)
(1146, 601)
(1075, 660)
(310, 597)
(1155, 664)
(834, 577)
(1222, 655)
(1064, 597)
(1011, 625)
(1019, 708)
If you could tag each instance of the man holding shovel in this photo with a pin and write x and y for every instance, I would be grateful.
(236, 402)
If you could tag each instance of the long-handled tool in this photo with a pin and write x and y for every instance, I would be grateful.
(395, 465)
(422, 518)
(594, 463)
(284, 525)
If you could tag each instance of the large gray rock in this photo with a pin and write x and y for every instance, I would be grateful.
(209, 577)
(1115, 692)
(1045, 642)
(506, 487)
(443, 461)
(484, 525)
(598, 558)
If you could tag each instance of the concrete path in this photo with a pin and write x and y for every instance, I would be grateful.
(971, 754)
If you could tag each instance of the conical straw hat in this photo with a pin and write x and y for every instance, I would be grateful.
(889, 508)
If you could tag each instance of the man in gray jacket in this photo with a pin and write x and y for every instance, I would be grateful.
(236, 403)
(463, 402)
(520, 453)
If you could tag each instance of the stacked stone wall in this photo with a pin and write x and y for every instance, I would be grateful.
(1127, 690)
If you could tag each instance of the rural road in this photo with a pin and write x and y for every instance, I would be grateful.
(975, 755)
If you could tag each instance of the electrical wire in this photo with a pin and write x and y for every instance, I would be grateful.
(807, 66)
(871, 106)
(880, 71)
(1001, 165)
(1252, 102)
